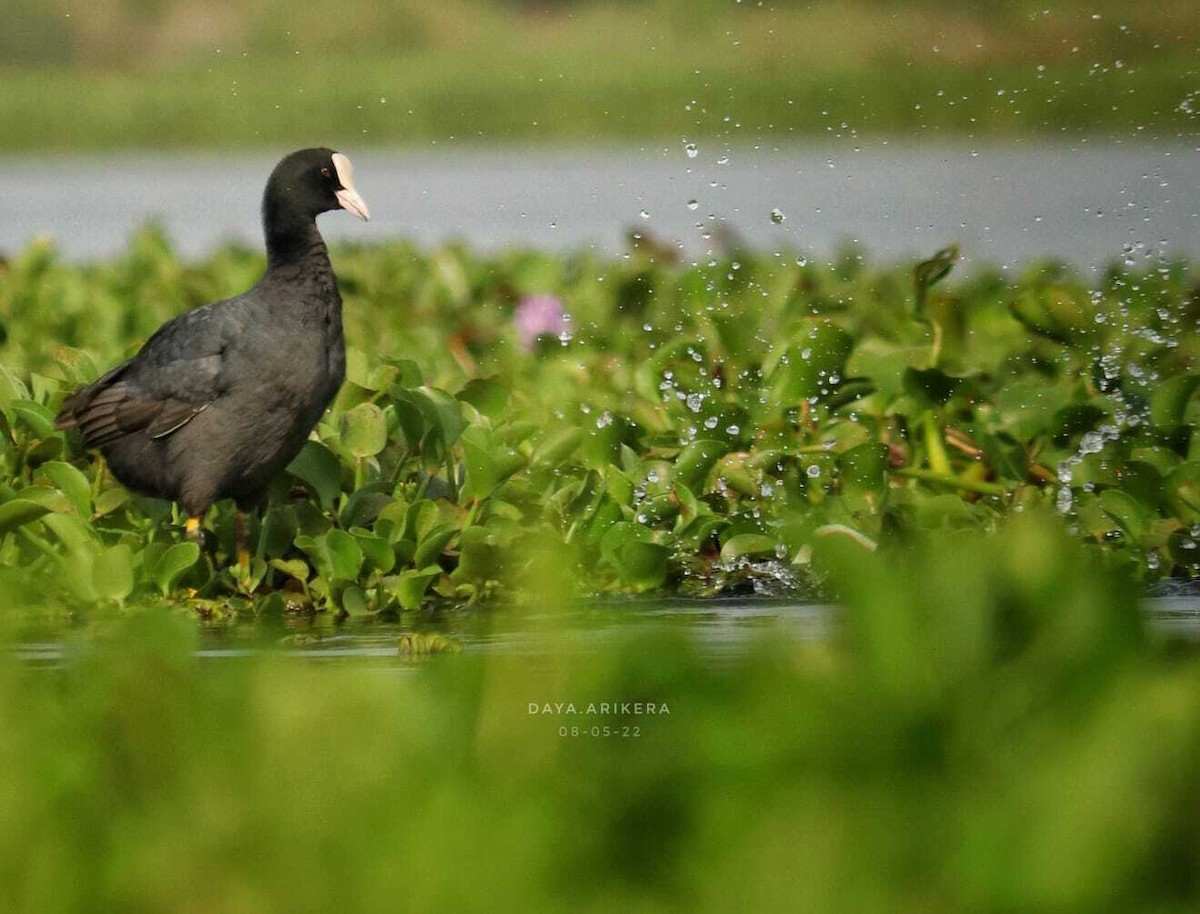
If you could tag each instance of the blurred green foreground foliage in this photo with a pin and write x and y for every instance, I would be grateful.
(991, 728)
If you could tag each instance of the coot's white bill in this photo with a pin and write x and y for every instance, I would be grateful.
(348, 197)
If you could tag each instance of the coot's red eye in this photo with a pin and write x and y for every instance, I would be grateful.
(325, 171)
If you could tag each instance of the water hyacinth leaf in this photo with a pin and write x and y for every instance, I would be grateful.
(1142, 481)
(1074, 420)
(173, 563)
(1182, 489)
(279, 528)
(110, 499)
(71, 482)
(490, 396)
(12, 388)
(658, 510)
(807, 367)
(376, 550)
(929, 272)
(421, 517)
(737, 333)
(409, 417)
(51, 498)
(556, 447)
(1057, 312)
(744, 545)
(478, 563)
(931, 385)
(71, 530)
(354, 601)
(346, 557)
(410, 586)
(18, 511)
(37, 418)
(696, 460)
(442, 412)
(640, 562)
(365, 504)
(433, 544)
(864, 469)
(335, 554)
(294, 568)
(1169, 400)
(484, 462)
(408, 372)
(317, 466)
(1132, 515)
(364, 430)
(112, 573)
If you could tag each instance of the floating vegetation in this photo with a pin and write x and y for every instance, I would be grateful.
(525, 421)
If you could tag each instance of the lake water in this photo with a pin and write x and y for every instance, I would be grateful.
(720, 630)
(1087, 202)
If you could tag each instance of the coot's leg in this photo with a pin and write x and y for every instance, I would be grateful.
(240, 532)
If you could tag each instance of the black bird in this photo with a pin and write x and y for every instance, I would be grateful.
(222, 397)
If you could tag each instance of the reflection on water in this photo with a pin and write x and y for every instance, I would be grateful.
(720, 631)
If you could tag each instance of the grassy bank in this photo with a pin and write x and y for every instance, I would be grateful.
(695, 429)
(282, 74)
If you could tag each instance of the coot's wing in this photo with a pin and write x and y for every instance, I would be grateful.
(175, 376)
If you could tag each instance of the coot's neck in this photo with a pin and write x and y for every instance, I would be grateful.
(292, 236)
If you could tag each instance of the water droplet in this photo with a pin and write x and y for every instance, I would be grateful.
(693, 204)
(777, 216)
(691, 150)
(645, 214)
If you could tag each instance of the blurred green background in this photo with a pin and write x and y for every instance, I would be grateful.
(220, 73)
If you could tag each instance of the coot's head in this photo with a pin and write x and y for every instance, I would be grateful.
(314, 181)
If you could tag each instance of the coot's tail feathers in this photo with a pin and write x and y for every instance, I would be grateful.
(109, 409)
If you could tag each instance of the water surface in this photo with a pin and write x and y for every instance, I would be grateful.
(1086, 202)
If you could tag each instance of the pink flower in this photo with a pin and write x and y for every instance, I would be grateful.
(537, 315)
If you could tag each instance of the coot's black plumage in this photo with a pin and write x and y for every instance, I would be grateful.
(221, 398)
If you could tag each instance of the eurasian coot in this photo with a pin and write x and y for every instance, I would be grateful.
(221, 398)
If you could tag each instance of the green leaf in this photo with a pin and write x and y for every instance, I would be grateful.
(864, 469)
(695, 462)
(17, 512)
(557, 446)
(747, 544)
(441, 411)
(1058, 312)
(110, 499)
(346, 557)
(364, 430)
(112, 573)
(174, 562)
(36, 417)
(929, 272)
(72, 483)
(806, 367)
(410, 585)
(293, 568)
(1169, 400)
(640, 563)
(317, 466)
(375, 549)
(354, 601)
(11, 387)
(433, 544)
(490, 396)
(335, 554)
